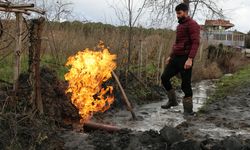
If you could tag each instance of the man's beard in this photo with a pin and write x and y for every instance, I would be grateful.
(181, 19)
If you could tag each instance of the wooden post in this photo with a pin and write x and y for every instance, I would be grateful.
(129, 106)
(36, 29)
(17, 52)
(141, 59)
(158, 75)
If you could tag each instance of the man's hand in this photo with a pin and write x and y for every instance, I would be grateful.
(167, 60)
(188, 63)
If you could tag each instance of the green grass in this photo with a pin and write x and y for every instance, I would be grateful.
(6, 67)
(228, 84)
(59, 67)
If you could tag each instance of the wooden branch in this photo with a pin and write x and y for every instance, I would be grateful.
(9, 34)
(9, 5)
(34, 10)
(14, 10)
(22, 8)
(129, 106)
(5, 3)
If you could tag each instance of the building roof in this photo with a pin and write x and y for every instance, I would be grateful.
(219, 22)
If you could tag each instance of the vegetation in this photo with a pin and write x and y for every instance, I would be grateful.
(62, 40)
(227, 85)
(150, 47)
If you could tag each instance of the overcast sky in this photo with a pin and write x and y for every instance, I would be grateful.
(100, 11)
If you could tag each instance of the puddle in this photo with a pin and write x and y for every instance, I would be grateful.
(151, 116)
(214, 132)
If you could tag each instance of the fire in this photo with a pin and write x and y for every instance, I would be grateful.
(89, 69)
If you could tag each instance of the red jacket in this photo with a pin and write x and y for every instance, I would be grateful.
(187, 38)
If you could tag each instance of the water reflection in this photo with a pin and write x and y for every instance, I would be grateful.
(151, 116)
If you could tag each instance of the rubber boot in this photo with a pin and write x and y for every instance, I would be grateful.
(172, 101)
(188, 106)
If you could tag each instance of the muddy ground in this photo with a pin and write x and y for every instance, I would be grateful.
(224, 124)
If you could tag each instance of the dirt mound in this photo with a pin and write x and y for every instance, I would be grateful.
(127, 139)
(56, 104)
(150, 140)
(21, 127)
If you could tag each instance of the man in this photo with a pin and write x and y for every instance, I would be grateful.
(181, 59)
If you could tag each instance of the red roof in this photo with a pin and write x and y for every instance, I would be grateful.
(219, 22)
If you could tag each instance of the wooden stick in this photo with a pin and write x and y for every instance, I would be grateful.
(129, 106)
(17, 52)
(9, 5)
(5, 3)
(21, 6)
(34, 10)
(14, 10)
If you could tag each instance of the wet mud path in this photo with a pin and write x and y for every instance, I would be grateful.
(151, 116)
(227, 117)
(224, 125)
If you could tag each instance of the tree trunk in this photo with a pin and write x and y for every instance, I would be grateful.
(36, 29)
(129, 38)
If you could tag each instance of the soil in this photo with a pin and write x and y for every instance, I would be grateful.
(34, 131)
(56, 104)
(224, 125)
(231, 114)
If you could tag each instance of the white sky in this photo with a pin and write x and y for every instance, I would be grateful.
(100, 11)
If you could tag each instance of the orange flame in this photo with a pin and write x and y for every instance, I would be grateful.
(89, 70)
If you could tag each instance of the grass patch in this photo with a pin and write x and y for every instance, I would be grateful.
(227, 85)
(50, 62)
(6, 67)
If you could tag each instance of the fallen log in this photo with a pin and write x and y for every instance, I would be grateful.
(92, 126)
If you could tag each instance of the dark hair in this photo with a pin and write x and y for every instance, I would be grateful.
(182, 6)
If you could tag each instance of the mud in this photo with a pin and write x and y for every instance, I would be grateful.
(21, 127)
(56, 104)
(224, 125)
(226, 117)
(151, 116)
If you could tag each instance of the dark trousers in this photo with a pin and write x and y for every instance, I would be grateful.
(175, 66)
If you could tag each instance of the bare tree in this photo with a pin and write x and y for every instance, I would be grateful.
(129, 14)
(62, 9)
(164, 10)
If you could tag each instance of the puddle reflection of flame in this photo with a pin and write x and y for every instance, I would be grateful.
(88, 71)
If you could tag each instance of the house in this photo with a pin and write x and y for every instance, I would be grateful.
(218, 32)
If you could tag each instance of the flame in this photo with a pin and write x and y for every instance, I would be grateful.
(89, 70)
